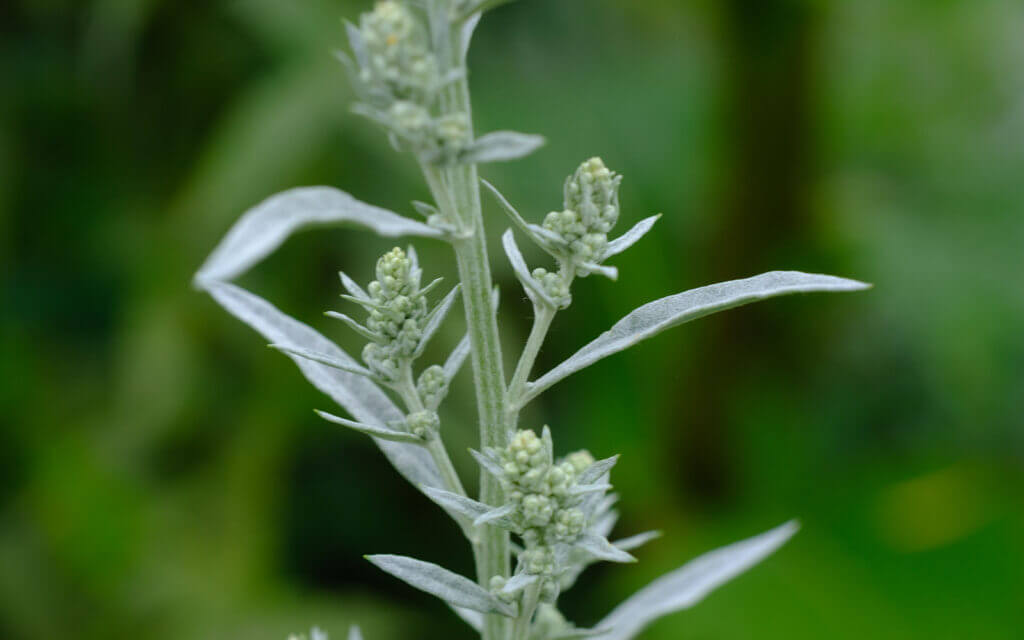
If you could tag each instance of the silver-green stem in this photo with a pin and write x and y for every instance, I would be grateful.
(527, 607)
(458, 188)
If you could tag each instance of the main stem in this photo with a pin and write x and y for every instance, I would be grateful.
(463, 187)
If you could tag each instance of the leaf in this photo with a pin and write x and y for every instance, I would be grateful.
(424, 209)
(532, 231)
(500, 146)
(592, 267)
(596, 470)
(519, 582)
(599, 547)
(438, 581)
(354, 633)
(628, 239)
(359, 396)
(466, 32)
(385, 433)
(689, 584)
(487, 464)
(334, 363)
(578, 632)
(584, 489)
(456, 503)
(498, 517)
(533, 289)
(355, 326)
(435, 318)
(654, 317)
(639, 540)
(264, 227)
(352, 287)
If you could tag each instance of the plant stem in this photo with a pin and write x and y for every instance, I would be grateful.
(543, 315)
(528, 605)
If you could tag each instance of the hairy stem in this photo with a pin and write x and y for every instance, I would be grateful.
(528, 605)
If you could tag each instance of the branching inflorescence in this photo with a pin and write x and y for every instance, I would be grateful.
(539, 520)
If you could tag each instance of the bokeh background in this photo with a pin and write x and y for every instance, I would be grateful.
(162, 474)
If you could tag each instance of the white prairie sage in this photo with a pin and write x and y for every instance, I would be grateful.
(539, 520)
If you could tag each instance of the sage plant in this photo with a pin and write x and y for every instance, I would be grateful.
(542, 516)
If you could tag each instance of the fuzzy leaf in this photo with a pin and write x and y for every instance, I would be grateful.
(355, 326)
(654, 317)
(354, 633)
(385, 433)
(519, 582)
(438, 581)
(640, 539)
(487, 464)
(358, 395)
(500, 146)
(688, 585)
(434, 320)
(628, 239)
(578, 632)
(533, 288)
(600, 548)
(352, 287)
(470, 617)
(456, 503)
(596, 470)
(264, 227)
(497, 516)
(466, 32)
(334, 363)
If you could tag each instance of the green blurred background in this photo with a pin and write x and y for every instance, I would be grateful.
(162, 474)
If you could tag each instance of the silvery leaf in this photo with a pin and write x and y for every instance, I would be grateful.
(352, 287)
(435, 318)
(499, 517)
(654, 317)
(353, 633)
(592, 267)
(358, 395)
(500, 146)
(686, 586)
(372, 336)
(584, 489)
(437, 581)
(628, 239)
(596, 470)
(466, 32)
(640, 539)
(539, 235)
(355, 41)
(384, 433)
(264, 227)
(519, 582)
(322, 358)
(456, 503)
(424, 209)
(533, 288)
(599, 547)
(487, 463)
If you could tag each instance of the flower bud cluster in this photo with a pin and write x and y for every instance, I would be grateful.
(554, 285)
(397, 61)
(591, 202)
(546, 511)
(397, 313)
(432, 386)
(399, 77)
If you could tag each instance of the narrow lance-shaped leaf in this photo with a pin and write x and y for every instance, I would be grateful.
(385, 433)
(628, 239)
(325, 359)
(533, 288)
(655, 317)
(639, 540)
(438, 581)
(599, 547)
(358, 395)
(264, 227)
(596, 470)
(689, 584)
(456, 503)
(500, 146)
(434, 320)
